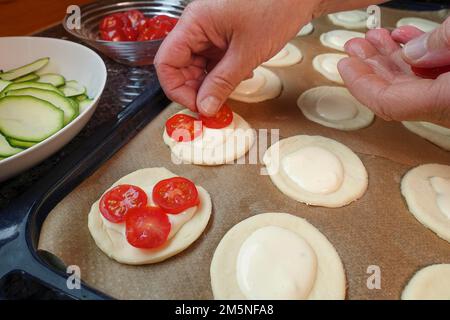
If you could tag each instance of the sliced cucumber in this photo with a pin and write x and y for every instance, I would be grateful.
(4, 84)
(29, 77)
(6, 150)
(29, 119)
(75, 105)
(37, 85)
(53, 79)
(73, 88)
(67, 106)
(85, 104)
(23, 71)
(20, 144)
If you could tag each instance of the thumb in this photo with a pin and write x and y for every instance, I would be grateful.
(430, 49)
(221, 82)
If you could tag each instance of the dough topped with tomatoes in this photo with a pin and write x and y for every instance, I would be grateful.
(149, 216)
(199, 140)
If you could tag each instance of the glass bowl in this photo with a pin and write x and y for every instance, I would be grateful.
(132, 53)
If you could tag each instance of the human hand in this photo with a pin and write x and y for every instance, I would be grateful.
(378, 73)
(227, 43)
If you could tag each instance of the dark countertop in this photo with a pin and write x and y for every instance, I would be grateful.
(123, 85)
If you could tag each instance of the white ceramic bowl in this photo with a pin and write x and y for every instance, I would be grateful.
(74, 62)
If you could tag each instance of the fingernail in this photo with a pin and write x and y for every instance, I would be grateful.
(210, 105)
(417, 48)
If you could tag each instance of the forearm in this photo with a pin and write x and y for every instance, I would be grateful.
(329, 6)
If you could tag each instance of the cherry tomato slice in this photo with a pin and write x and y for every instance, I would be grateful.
(111, 22)
(152, 34)
(430, 73)
(175, 195)
(183, 128)
(115, 203)
(130, 34)
(147, 227)
(113, 35)
(135, 17)
(222, 119)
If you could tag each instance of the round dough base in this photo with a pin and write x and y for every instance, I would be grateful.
(308, 100)
(336, 20)
(318, 66)
(421, 197)
(353, 186)
(330, 281)
(429, 283)
(294, 56)
(324, 38)
(440, 136)
(118, 248)
(233, 149)
(423, 24)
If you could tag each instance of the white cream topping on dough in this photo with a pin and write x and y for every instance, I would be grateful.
(327, 63)
(214, 146)
(334, 107)
(264, 85)
(314, 169)
(429, 283)
(288, 56)
(336, 39)
(276, 263)
(442, 188)
(420, 23)
(354, 19)
(438, 135)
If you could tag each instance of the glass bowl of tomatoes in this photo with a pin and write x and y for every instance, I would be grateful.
(129, 32)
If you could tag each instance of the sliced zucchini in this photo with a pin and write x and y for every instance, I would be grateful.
(29, 119)
(53, 79)
(29, 77)
(23, 71)
(85, 104)
(37, 85)
(81, 97)
(6, 150)
(70, 110)
(4, 84)
(20, 144)
(73, 89)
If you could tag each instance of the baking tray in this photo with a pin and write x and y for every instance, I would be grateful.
(357, 230)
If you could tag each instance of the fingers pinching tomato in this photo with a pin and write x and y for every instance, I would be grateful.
(147, 227)
(221, 120)
(115, 203)
(430, 73)
(183, 128)
(175, 195)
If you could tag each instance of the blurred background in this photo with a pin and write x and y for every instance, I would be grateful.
(23, 17)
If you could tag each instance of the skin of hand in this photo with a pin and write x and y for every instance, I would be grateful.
(378, 73)
(218, 43)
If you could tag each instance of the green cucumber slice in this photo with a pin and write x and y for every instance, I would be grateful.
(70, 110)
(4, 84)
(81, 97)
(53, 79)
(37, 85)
(73, 88)
(29, 119)
(29, 77)
(6, 150)
(85, 104)
(23, 71)
(20, 144)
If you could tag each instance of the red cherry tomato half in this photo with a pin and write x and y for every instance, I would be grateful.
(222, 119)
(151, 34)
(175, 195)
(111, 22)
(115, 203)
(135, 17)
(430, 73)
(183, 128)
(113, 35)
(147, 227)
(130, 34)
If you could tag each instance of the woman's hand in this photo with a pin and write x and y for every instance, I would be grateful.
(378, 73)
(217, 44)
